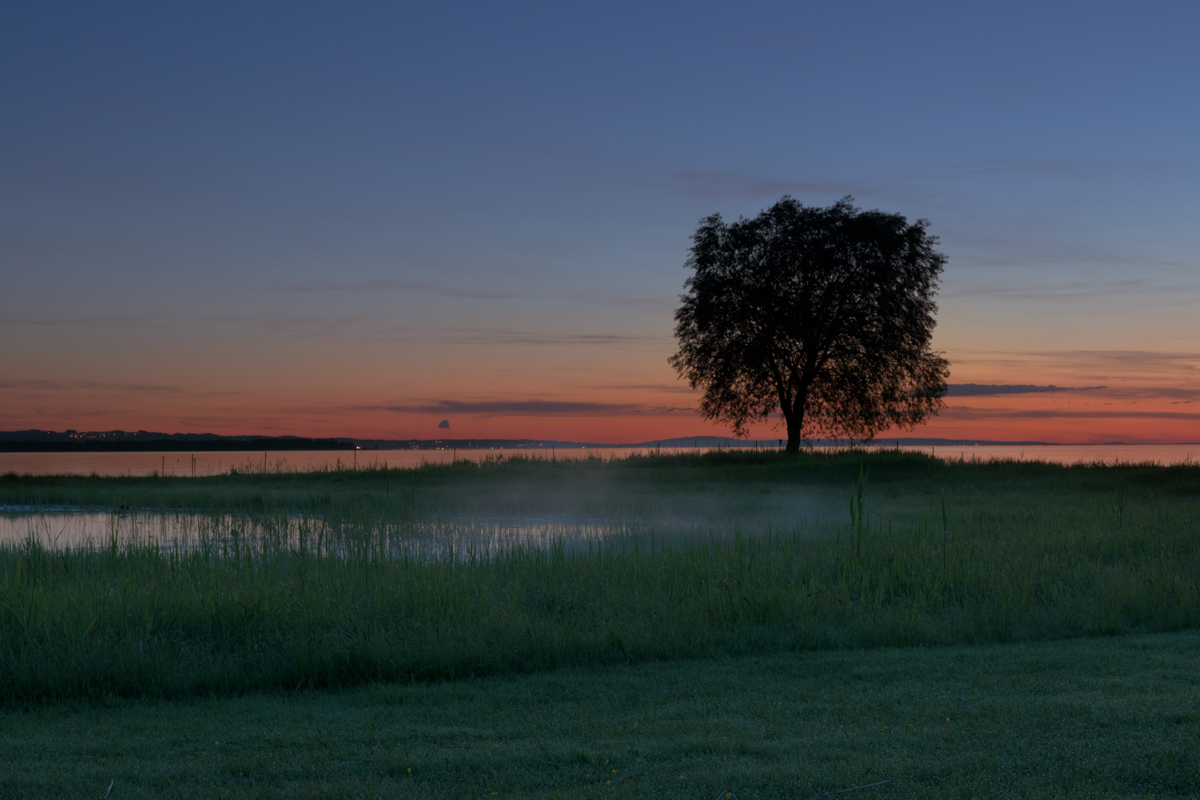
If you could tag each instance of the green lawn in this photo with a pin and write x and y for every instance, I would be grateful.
(1099, 717)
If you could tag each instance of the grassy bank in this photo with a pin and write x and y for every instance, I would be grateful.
(1110, 717)
(519, 483)
(920, 552)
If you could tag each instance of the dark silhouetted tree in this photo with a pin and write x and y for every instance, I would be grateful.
(823, 314)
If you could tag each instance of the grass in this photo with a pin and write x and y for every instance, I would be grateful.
(1100, 717)
(742, 483)
(821, 552)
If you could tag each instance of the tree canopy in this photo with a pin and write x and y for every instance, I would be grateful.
(823, 314)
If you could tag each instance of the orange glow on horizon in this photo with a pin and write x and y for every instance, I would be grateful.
(589, 393)
(1057, 419)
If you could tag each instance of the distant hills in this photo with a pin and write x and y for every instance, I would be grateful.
(475, 444)
(725, 441)
(147, 441)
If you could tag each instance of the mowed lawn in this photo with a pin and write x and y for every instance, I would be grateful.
(1097, 717)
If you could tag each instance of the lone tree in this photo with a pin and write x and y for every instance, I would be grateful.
(824, 314)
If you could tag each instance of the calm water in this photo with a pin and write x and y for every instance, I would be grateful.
(215, 463)
(430, 536)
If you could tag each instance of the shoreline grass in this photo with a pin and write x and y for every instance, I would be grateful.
(467, 483)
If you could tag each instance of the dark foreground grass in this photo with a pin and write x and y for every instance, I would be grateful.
(926, 554)
(1098, 718)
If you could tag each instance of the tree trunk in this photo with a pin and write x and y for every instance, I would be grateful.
(795, 423)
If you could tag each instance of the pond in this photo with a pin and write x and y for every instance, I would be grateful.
(428, 536)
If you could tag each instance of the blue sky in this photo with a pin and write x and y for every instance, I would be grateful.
(294, 217)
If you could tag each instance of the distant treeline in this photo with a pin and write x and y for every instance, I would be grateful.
(35, 441)
(30, 441)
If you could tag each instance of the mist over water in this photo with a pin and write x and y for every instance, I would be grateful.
(573, 510)
(483, 512)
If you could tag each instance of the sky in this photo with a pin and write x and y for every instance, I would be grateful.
(361, 219)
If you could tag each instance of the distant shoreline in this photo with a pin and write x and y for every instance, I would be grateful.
(169, 446)
(143, 442)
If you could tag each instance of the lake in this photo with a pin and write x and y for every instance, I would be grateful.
(430, 536)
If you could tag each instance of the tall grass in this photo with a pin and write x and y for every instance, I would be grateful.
(301, 602)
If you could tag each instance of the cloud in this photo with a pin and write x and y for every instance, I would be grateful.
(367, 330)
(1075, 289)
(444, 424)
(733, 184)
(1068, 168)
(531, 408)
(982, 389)
(593, 296)
(552, 338)
(1153, 359)
(86, 386)
(1117, 362)
(1185, 393)
(107, 389)
(303, 333)
(429, 287)
(944, 183)
(672, 388)
(139, 320)
(964, 413)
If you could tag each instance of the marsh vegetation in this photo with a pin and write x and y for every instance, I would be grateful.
(344, 577)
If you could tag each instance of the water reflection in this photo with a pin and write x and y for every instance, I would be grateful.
(426, 537)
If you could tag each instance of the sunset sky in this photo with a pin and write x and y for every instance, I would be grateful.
(360, 219)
